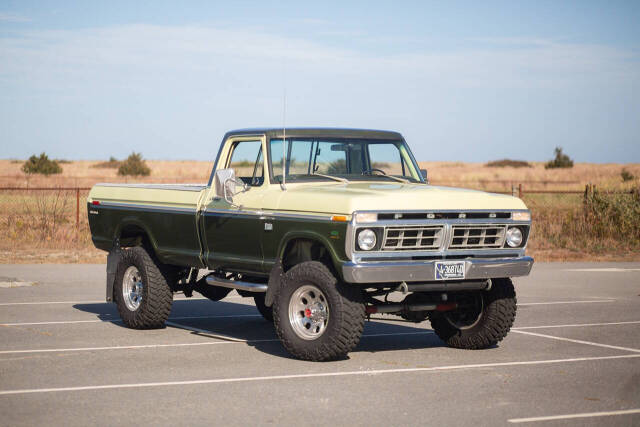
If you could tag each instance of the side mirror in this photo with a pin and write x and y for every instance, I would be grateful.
(225, 184)
(424, 175)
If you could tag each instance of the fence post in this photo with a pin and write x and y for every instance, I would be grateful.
(78, 208)
(520, 190)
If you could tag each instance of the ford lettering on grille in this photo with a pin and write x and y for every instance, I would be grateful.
(449, 270)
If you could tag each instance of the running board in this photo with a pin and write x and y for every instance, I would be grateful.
(236, 284)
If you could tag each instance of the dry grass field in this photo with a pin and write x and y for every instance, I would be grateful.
(40, 226)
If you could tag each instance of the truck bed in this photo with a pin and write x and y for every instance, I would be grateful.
(166, 212)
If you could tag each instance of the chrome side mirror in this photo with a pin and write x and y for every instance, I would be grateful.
(225, 182)
(423, 172)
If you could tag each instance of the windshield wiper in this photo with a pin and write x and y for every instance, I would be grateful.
(395, 178)
(335, 178)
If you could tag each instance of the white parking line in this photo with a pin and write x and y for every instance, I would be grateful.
(570, 416)
(103, 301)
(576, 325)
(226, 340)
(602, 270)
(615, 347)
(240, 297)
(566, 302)
(51, 302)
(65, 322)
(315, 375)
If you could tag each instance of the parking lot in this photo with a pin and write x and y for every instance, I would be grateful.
(573, 358)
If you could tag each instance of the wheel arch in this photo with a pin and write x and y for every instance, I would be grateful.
(133, 232)
(301, 246)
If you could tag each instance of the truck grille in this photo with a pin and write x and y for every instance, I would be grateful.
(477, 236)
(412, 238)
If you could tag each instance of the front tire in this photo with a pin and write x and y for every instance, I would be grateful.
(316, 317)
(484, 320)
(142, 292)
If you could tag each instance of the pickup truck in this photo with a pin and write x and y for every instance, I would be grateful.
(320, 226)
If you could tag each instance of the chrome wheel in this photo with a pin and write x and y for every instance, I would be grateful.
(469, 314)
(308, 312)
(132, 288)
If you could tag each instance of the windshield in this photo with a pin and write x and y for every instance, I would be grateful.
(351, 159)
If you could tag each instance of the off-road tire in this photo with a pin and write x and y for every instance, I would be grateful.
(157, 296)
(498, 315)
(346, 314)
(267, 312)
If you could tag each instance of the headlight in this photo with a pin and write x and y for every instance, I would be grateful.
(366, 239)
(514, 237)
(521, 216)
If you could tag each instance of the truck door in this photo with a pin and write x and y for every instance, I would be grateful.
(232, 231)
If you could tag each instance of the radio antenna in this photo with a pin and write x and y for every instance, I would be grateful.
(284, 141)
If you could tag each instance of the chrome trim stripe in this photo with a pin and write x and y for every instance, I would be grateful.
(268, 214)
(442, 255)
(395, 272)
(177, 187)
(149, 207)
(412, 211)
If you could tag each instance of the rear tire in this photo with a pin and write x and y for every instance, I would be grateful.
(316, 317)
(142, 292)
(484, 323)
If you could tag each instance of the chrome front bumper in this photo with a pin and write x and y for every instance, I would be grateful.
(412, 271)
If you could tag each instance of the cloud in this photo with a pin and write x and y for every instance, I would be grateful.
(505, 63)
(162, 82)
(12, 17)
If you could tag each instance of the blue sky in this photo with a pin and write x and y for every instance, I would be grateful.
(468, 81)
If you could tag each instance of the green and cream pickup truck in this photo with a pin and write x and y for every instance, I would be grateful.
(320, 227)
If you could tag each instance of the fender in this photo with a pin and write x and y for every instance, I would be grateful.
(127, 221)
(310, 235)
(276, 276)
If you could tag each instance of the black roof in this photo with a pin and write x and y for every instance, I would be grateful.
(318, 132)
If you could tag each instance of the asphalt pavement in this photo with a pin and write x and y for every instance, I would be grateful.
(573, 358)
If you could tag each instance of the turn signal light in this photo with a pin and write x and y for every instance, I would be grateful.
(339, 218)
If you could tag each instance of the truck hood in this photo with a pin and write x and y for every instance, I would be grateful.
(366, 196)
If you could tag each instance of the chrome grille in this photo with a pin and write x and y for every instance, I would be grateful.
(408, 238)
(477, 236)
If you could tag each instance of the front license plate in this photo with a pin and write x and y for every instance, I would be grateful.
(450, 270)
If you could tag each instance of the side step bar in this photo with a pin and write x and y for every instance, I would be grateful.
(236, 284)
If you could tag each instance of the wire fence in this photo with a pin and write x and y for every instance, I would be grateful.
(43, 217)
(61, 212)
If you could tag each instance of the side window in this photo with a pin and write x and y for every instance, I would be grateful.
(247, 162)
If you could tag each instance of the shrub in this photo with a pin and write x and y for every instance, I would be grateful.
(626, 175)
(508, 163)
(42, 165)
(613, 215)
(561, 160)
(112, 163)
(134, 165)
